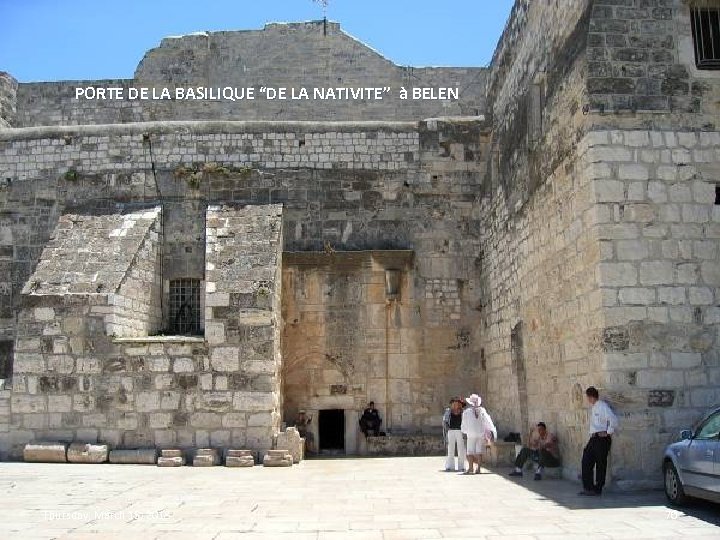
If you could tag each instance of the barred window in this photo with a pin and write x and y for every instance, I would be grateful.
(705, 22)
(185, 306)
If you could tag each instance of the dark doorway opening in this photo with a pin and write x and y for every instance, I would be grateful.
(331, 426)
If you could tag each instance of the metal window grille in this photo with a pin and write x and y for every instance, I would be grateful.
(185, 306)
(705, 22)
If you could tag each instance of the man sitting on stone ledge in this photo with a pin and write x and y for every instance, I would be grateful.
(542, 448)
(370, 421)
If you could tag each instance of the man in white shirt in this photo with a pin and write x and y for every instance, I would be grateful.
(603, 424)
(480, 430)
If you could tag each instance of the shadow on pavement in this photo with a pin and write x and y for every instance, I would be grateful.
(565, 493)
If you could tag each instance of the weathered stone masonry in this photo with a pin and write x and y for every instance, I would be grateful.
(559, 230)
(347, 186)
(599, 223)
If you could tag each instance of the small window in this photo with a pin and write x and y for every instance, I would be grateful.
(535, 112)
(705, 22)
(185, 307)
(717, 194)
(6, 362)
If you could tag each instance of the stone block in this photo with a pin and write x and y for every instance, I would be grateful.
(206, 457)
(170, 461)
(609, 191)
(45, 452)
(87, 453)
(656, 273)
(616, 275)
(277, 458)
(225, 359)
(138, 456)
(239, 461)
(290, 439)
(633, 171)
(171, 452)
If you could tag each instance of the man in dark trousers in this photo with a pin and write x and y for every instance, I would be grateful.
(603, 424)
(370, 420)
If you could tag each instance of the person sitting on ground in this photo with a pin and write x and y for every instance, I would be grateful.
(542, 448)
(452, 422)
(480, 430)
(370, 421)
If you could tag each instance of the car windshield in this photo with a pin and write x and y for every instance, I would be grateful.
(710, 429)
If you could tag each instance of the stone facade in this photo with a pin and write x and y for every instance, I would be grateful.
(557, 227)
(599, 226)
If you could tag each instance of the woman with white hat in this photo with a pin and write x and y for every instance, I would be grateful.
(480, 430)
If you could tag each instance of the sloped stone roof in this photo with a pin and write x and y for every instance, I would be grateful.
(90, 253)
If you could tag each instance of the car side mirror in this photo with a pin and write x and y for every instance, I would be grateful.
(685, 434)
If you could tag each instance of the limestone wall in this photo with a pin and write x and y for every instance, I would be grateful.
(344, 186)
(536, 94)
(658, 227)
(54, 104)
(541, 311)
(641, 58)
(243, 325)
(346, 342)
(354, 186)
(77, 377)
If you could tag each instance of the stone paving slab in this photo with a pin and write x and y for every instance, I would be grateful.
(382, 498)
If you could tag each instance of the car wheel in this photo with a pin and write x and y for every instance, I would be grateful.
(673, 486)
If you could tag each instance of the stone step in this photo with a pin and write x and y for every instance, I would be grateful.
(45, 452)
(176, 461)
(276, 458)
(239, 461)
(87, 453)
(137, 456)
(239, 453)
(171, 452)
(205, 461)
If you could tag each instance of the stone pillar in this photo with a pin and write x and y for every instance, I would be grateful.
(242, 325)
(8, 99)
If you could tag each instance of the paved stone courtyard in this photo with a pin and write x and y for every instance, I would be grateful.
(390, 498)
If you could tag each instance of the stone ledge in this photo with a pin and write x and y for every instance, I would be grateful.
(160, 339)
(406, 445)
(201, 127)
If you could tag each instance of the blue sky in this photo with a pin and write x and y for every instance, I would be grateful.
(45, 40)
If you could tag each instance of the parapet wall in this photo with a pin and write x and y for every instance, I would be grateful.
(310, 54)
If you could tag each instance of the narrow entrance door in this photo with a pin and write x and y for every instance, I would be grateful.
(331, 425)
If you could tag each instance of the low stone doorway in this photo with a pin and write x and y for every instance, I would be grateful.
(331, 427)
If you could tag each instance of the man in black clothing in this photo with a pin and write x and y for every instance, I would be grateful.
(370, 421)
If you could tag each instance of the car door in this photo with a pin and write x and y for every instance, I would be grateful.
(700, 468)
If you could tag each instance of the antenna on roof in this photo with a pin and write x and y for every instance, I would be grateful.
(324, 4)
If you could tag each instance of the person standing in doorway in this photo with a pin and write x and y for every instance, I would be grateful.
(603, 424)
(452, 422)
(480, 430)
